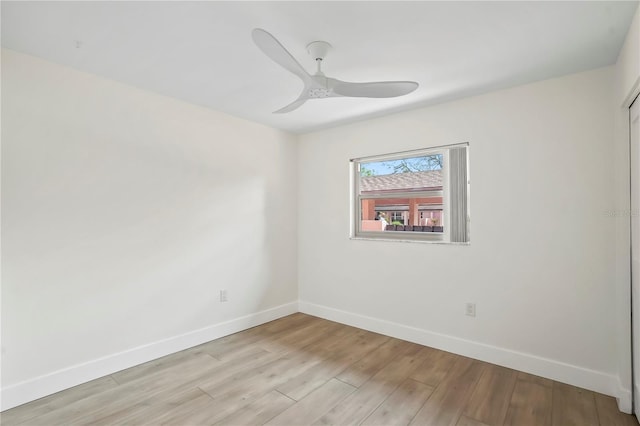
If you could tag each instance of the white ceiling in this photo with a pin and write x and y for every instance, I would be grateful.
(202, 52)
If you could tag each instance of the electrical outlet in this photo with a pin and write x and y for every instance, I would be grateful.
(223, 295)
(471, 309)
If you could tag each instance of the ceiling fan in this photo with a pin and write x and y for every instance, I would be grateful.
(319, 86)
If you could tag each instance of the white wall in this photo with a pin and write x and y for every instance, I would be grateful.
(124, 213)
(541, 261)
(628, 63)
(626, 87)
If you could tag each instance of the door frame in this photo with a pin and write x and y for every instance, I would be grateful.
(635, 408)
(623, 287)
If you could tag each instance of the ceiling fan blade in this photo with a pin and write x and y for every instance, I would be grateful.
(278, 54)
(293, 105)
(380, 89)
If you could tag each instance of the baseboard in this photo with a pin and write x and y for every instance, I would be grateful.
(623, 397)
(551, 369)
(56, 381)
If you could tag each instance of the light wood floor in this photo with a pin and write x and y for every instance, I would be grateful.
(302, 370)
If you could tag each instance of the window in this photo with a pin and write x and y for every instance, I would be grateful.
(417, 195)
(398, 217)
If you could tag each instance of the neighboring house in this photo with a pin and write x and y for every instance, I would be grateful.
(404, 209)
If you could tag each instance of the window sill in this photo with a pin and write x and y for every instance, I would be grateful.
(407, 240)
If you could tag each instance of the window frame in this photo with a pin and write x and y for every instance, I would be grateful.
(356, 232)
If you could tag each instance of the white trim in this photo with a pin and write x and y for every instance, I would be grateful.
(420, 193)
(556, 370)
(623, 397)
(38, 387)
(634, 92)
(411, 236)
(406, 240)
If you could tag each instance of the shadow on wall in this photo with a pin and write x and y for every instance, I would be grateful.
(142, 243)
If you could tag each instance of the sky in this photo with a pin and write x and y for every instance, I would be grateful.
(378, 168)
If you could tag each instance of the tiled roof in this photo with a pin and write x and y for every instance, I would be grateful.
(402, 181)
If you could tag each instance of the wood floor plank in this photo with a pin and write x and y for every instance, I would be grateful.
(147, 391)
(401, 406)
(490, 400)
(260, 411)
(468, 421)
(91, 409)
(287, 323)
(278, 342)
(229, 346)
(283, 368)
(297, 339)
(277, 326)
(435, 367)
(609, 415)
(445, 405)
(535, 379)
(573, 406)
(177, 415)
(153, 367)
(352, 347)
(240, 390)
(198, 411)
(255, 380)
(364, 369)
(150, 410)
(56, 401)
(314, 405)
(208, 411)
(531, 404)
(361, 403)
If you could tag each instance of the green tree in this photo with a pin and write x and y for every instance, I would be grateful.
(416, 164)
(366, 172)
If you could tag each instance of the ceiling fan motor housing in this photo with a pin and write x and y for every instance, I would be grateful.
(318, 49)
